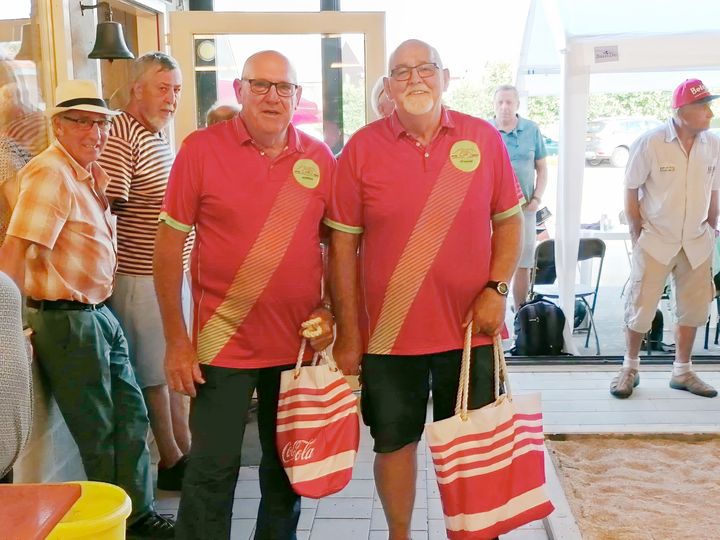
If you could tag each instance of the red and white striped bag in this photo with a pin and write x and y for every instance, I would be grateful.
(318, 428)
(489, 462)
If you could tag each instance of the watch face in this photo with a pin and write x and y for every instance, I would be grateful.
(502, 288)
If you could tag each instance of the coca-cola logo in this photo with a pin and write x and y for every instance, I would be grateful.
(299, 450)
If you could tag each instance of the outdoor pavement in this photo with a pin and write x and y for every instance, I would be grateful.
(575, 400)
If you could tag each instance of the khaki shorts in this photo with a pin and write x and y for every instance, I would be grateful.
(693, 290)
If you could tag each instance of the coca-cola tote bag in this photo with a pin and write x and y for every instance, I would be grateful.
(318, 428)
(489, 462)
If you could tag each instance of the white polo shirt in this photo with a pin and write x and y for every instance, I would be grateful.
(674, 192)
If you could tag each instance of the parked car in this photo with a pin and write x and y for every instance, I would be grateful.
(609, 139)
(551, 145)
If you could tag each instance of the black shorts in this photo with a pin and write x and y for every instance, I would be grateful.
(395, 392)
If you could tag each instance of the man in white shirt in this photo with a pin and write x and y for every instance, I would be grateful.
(671, 202)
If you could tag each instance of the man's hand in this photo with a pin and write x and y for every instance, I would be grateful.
(487, 313)
(347, 353)
(182, 368)
(325, 325)
(532, 205)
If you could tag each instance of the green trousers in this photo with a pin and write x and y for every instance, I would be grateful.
(84, 355)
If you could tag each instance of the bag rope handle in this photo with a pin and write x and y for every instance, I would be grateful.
(322, 355)
(499, 371)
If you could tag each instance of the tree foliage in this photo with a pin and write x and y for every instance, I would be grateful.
(476, 98)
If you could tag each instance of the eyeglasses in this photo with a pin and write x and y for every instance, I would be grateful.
(403, 73)
(262, 87)
(86, 124)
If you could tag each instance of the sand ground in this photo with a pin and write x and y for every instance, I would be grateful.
(641, 487)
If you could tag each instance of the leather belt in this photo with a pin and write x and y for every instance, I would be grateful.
(63, 305)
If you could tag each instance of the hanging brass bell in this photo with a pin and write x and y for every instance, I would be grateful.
(110, 42)
(27, 44)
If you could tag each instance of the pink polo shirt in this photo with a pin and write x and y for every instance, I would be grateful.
(425, 216)
(256, 264)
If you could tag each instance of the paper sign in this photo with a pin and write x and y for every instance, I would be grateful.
(606, 54)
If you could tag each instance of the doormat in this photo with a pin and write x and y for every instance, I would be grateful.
(641, 487)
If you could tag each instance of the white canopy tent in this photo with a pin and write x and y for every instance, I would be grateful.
(574, 39)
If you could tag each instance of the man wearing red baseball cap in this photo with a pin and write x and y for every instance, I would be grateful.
(671, 202)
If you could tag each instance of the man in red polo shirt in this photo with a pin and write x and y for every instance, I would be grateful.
(432, 196)
(256, 190)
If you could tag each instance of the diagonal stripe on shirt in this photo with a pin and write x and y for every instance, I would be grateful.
(255, 271)
(430, 231)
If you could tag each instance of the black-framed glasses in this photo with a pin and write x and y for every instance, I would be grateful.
(262, 87)
(403, 73)
(86, 124)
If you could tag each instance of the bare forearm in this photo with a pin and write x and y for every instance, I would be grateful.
(541, 178)
(507, 240)
(168, 277)
(632, 213)
(713, 211)
(343, 280)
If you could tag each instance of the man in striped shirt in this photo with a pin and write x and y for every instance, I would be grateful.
(138, 158)
(60, 251)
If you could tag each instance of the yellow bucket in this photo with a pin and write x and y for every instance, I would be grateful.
(99, 514)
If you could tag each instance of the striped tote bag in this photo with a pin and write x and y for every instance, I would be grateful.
(318, 428)
(489, 462)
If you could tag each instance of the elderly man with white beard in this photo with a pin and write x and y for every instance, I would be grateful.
(431, 195)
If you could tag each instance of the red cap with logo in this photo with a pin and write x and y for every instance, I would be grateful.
(691, 91)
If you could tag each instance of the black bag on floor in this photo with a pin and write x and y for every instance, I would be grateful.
(656, 334)
(539, 328)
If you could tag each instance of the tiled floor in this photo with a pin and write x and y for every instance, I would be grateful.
(574, 401)
(355, 513)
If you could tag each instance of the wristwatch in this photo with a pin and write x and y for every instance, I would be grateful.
(500, 287)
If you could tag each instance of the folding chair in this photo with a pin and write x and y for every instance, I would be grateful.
(716, 280)
(544, 275)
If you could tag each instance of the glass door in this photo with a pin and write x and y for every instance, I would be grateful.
(338, 58)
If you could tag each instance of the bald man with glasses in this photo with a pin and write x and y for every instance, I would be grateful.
(256, 190)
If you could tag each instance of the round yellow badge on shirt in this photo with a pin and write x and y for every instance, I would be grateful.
(307, 173)
(465, 155)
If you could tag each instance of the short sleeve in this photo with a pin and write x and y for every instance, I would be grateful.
(182, 198)
(716, 169)
(42, 208)
(639, 163)
(507, 195)
(540, 150)
(345, 212)
(117, 161)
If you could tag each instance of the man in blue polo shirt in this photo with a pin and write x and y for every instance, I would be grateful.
(527, 152)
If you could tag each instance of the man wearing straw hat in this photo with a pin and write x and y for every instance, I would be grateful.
(432, 196)
(60, 250)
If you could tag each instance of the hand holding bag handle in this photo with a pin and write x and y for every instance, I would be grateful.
(489, 462)
(499, 371)
(317, 430)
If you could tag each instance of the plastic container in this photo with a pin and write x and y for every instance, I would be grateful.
(99, 514)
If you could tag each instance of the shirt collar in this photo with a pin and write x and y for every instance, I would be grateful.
(81, 173)
(671, 133)
(293, 138)
(398, 129)
(518, 127)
